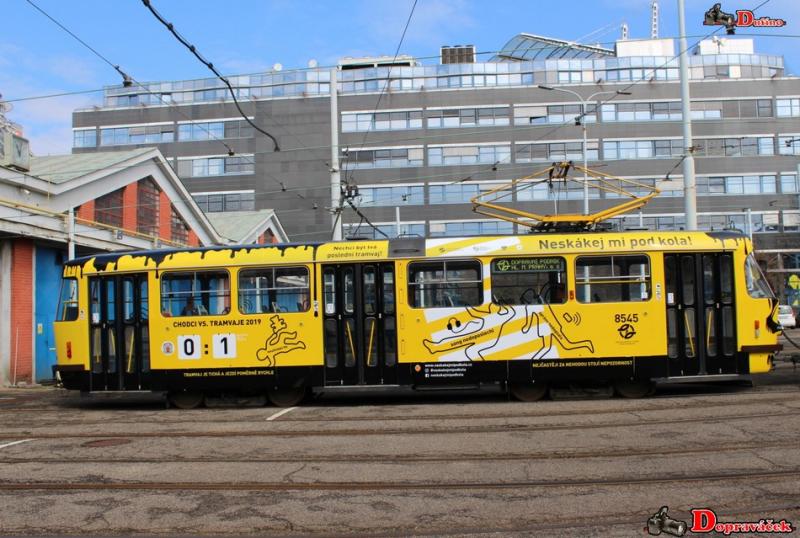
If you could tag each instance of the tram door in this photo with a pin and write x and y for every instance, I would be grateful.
(701, 326)
(119, 332)
(360, 324)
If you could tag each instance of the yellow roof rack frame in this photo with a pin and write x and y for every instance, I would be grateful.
(488, 203)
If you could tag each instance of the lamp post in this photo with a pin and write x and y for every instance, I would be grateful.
(579, 120)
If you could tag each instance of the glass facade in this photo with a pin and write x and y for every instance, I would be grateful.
(383, 158)
(468, 117)
(391, 196)
(84, 138)
(461, 155)
(555, 69)
(381, 121)
(216, 166)
(214, 130)
(215, 202)
(143, 134)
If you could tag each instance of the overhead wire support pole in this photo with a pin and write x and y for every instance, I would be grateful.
(689, 182)
(581, 119)
(336, 177)
(211, 67)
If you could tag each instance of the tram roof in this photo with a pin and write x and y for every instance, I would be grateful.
(413, 247)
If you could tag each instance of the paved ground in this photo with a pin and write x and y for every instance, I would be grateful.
(399, 464)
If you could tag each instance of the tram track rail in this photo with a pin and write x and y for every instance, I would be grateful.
(544, 413)
(762, 476)
(499, 428)
(367, 458)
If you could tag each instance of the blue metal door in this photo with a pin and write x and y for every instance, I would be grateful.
(47, 288)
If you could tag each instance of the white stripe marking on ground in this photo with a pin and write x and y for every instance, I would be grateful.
(278, 414)
(12, 443)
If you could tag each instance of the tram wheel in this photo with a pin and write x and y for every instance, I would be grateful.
(528, 392)
(632, 388)
(186, 400)
(286, 397)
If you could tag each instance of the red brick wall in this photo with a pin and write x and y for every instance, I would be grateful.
(272, 237)
(86, 211)
(129, 199)
(193, 240)
(22, 309)
(164, 216)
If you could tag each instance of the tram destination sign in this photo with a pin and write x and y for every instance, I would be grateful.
(520, 265)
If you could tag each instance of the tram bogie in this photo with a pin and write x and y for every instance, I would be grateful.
(624, 309)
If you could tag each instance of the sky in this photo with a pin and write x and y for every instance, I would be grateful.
(246, 36)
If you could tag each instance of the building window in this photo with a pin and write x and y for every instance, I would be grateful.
(714, 185)
(557, 151)
(542, 115)
(274, 289)
(641, 111)
(147, 207)
(461, 155)
(391, 196)
(108, 208)
(789, 145)
(180, 231)
(381, 121)
(786, 108)
(445, 284)
(570, 77)
(706, 110)
(382, 231)
(464, 228)
(642, 149)
(612, 279)
(384, 158)
(216, 166)
(84, 138)
(214, 130)
(459, 193)
(789, 183)
(734, 147)
(199, 293)
(716, 71)
(468, 117)
(145, 134)
(211, 202)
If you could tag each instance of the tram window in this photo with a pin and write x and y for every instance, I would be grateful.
(519, 281)
(612, 279)
(757, 285)
(370, 293)
(709, 274)
(329, 286)
(445, 284)
(273, 289)
(68, 301)
(726, 278)
(195, 293)
(94, 298)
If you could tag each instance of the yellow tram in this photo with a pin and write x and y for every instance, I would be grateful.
(626, 309)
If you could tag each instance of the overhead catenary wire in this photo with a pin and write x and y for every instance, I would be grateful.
(385, 86)
(131, 81)
(346, 197)
(210, 66)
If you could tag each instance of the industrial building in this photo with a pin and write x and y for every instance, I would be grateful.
(420, 139)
